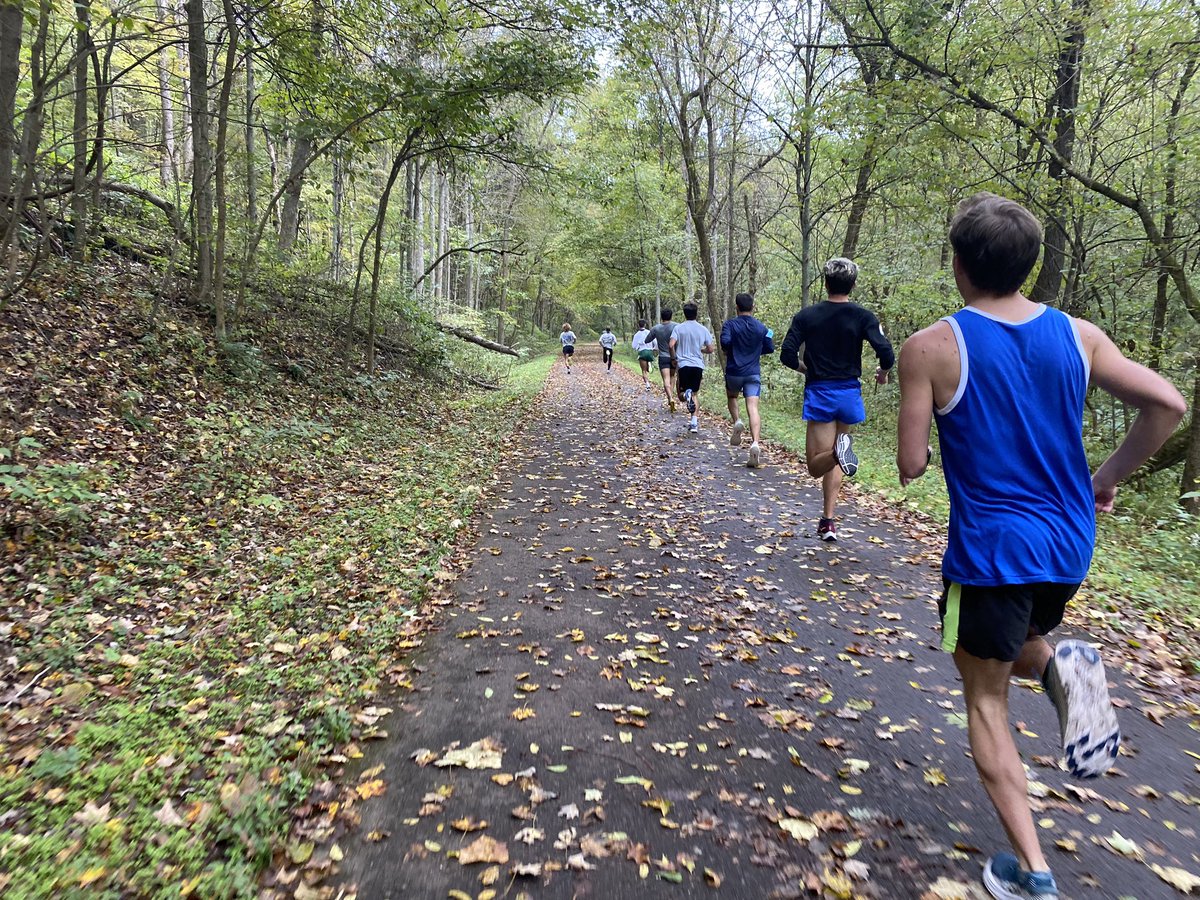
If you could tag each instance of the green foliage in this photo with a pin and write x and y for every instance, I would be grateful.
(55, 493)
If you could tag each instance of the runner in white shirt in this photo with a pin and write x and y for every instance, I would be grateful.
(568, 344)
(608, 341)
(690, 342)
(646, 348)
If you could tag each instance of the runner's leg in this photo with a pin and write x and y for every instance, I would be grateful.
(755, 420)
(985, 690)
(818, 448)
(665, 373)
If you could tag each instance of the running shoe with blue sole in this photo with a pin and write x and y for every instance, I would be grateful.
(1006, 880)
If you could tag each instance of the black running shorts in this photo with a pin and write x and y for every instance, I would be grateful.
(994, 622)
(689, 378)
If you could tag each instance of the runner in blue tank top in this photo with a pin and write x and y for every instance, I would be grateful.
(1007, 379)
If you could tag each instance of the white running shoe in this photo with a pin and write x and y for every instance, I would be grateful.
(1076, 685)
(694, 425)
(735, 436)
(755, 456)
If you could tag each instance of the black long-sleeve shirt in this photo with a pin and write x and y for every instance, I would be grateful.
(832, 335)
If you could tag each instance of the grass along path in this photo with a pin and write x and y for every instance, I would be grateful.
(204, 644)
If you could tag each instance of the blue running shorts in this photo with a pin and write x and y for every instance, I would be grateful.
(750, 385)
(834, 401)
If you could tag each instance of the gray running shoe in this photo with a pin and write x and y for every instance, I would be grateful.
(1076, 685)
(843, 451)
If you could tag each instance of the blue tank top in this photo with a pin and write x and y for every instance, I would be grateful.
(1021, 503)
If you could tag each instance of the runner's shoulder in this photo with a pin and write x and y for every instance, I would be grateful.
(930, 343)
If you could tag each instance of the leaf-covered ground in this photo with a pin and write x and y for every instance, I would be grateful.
(210, 565)
(652, 680)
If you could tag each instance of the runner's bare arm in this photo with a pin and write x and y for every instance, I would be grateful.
(1160, 408)
(916, 406)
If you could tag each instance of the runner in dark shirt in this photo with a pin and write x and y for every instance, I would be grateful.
(832, 334)
(667, 366)
(745, 339)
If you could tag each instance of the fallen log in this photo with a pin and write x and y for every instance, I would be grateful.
(465, 335)
(478, 382)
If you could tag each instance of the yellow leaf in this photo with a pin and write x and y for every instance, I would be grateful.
(92, 875)
(373, 788)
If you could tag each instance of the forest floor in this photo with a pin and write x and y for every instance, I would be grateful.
(650, 679)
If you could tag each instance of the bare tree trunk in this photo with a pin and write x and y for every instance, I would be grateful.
(251, 170)
(1063, 105)
(380, 221)
(186, 141)
(418, 217)
(202, 199)
(339, 191)
(804, 196)
(468, 269)
(444, 237)
(102, 71)
(503, 284)
(31, 129)
(289, 216)
(11, 28)
(79, 196)
(730, 222)
(862, 195)
(302, 147)
(752, 240)
(1161, 297)
(169, 162)
(232, 37)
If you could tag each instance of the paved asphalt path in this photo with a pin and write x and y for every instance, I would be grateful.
(683, 693)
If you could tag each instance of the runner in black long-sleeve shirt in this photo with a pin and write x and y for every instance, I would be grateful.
(832, 334)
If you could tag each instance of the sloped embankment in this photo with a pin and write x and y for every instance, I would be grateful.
(210, 566)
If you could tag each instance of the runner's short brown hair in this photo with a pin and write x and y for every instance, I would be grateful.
(997, 242)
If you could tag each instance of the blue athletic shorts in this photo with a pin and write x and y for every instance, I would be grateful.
(750, 385)
(834, 401)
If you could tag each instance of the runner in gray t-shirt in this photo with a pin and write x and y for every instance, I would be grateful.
(661, 334)
(689, 343)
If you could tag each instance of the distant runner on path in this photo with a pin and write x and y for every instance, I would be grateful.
(608, 340)
(1023, 504)
(832, 333)
(745, 339)
(690, 343)
(646, 349)
(568, 344)
(661, 334)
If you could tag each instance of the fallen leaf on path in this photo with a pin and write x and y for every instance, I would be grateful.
(484, 850)
(483, 754)
(799, 829)
(1180, 879)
